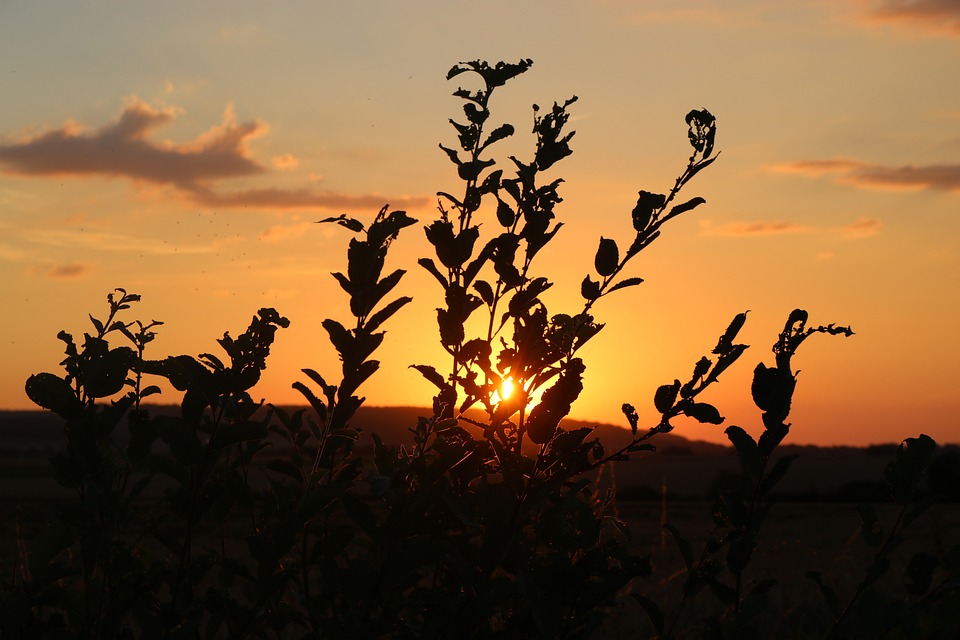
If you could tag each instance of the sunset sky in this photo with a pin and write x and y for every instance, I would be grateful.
(183, 150)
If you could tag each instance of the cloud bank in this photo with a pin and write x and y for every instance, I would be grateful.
(942, 16)
(937, 177)
(124, 149)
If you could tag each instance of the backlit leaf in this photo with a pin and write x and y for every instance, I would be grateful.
(485, 290)
(626, 282)
(607, 257)
(666, 396)
(381, 316)
(430, 374)
(703, 412)
(747, 451)
(345, 221)
(590, 289)
(692, 203)
(54, 393)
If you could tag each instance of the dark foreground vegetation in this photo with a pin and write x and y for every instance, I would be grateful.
(491, 520)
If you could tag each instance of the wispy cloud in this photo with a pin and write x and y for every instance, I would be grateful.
(940, 16)
(654, 16)
(272, 198)
(113, 242)
(65, 271)
(286, 161)
(940, 177)
(277, 233)
(241, 34)
(10, 253)
(816, 167)
(944, 177)
(724, 16)
(124, 149)
(756, 228)
(862, 227)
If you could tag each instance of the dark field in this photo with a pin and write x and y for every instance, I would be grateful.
(797, 537)
(814, 526)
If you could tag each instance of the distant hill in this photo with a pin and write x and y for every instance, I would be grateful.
(25, 432)
(687, 468)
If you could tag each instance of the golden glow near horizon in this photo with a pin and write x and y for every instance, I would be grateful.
(184, 152)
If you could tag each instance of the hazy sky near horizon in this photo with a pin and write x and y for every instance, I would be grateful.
(183, 150)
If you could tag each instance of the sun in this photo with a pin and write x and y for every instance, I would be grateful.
(507, 388)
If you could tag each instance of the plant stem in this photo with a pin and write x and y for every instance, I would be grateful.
(881, 552)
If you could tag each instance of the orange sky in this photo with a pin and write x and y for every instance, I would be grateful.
(183, 151)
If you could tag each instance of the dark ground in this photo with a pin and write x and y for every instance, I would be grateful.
(814, 527)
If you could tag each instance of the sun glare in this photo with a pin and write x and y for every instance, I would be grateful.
(507, 388)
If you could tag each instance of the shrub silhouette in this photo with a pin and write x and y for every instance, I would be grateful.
(487, 523)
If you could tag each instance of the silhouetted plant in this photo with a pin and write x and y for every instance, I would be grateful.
(744, 499)
(92, 574)
(931, 577)
(489, 522)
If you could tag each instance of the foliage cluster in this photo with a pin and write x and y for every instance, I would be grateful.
(271, 523)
